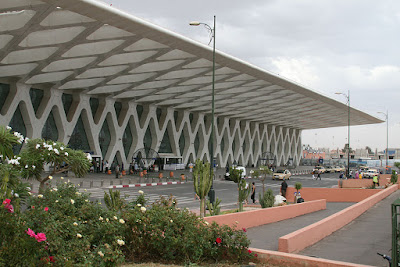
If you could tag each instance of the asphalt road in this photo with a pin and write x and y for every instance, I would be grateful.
(226, 191)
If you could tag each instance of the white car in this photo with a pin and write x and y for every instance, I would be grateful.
(370, 173)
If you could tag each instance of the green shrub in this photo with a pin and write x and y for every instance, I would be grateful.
(82, 233)
(113, 200)
(393, 177)
(267, 200)
(214, 209)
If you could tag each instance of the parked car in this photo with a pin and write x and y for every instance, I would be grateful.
(243, 169)
(319, 169)
(281, 175)
(338, 169)
(329, 169)
(370, 173)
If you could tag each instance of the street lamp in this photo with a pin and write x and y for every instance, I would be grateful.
(387, 136)
(348, 132)
(211, 194)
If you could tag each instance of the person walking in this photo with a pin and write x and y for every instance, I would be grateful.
(319, 176)
(375, 180)
(117, 171)
(253, 192)
(284, 186)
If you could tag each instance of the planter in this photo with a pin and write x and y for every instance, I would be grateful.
(171, 174)
(160, 175)
(183, 177)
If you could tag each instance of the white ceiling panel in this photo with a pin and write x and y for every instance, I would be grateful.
(90, 46)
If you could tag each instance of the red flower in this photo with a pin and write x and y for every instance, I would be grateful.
(218, 240)
(51, 258)
(33, 207)
(249, 251)
(7, 201)
(30, 232)
(244, 230)
(256, 255)
(40, 237)
(9, 207)
(46, 209)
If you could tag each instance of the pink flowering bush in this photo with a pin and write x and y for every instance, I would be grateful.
(63, 227)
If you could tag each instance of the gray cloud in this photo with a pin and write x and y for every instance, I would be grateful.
(327, 46)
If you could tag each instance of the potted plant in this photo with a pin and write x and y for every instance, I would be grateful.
(297, 195)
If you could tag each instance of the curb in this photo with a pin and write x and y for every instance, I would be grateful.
(142, 185)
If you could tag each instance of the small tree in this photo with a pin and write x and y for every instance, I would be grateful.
(202, 181)
(393, 177)
(265, 171)
(38, 152)
(236, 176)
(214, 209)
(243, 193)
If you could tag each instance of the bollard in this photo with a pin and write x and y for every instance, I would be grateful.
(101, 183)
(91, 184)
(129, 181)
(120, 182)
(111, 182)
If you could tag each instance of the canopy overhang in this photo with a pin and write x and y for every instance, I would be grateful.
(87, 46)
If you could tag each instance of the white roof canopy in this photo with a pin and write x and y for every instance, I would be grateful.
(90, 47)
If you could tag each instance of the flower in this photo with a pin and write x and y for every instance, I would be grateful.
(75, 224)
(46, 209)
(50, 177)
(7, 201)
(79, 235)
(66, 154)
(51, 259)
(40, 237)
(33, 167)
(115, 218)
(72, 201)
(100, 218)
(141, 192)
(57, 201)
(29, 193)
(256, 255)
(86, 200)
(139, 205)
(171, 221)
(218, 240)
(121, 221)
(121, 242)
(249, 251)
(62, 178)
(143, 209)
(77, 193)
(33, 207)
(30, 232)
(236, 222)
(100, 253)
(244, 230)
(40, 196)
(16, 195)
(37, 146)
(107, 220)
(207, 223)
(55, 189)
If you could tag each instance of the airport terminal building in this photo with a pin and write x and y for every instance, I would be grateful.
(101, 80)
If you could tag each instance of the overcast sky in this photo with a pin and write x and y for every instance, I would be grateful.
(327, 45)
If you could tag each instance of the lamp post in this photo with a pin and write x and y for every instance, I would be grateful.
(348, 131)
(211, 194)
(387, 137)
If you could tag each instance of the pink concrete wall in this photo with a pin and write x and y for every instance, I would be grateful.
(288, 259)
(359, 183)
(313, 233)
(259, 217)
(332, 194)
